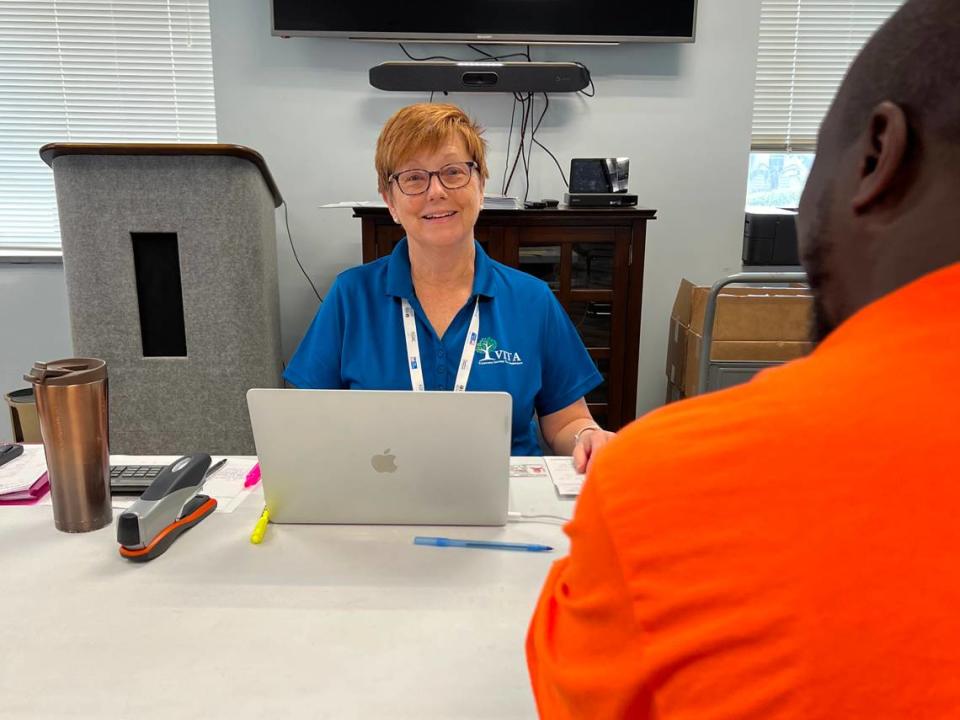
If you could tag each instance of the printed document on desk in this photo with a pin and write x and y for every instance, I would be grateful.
(354, 204)
(23, 471)
(567, 480)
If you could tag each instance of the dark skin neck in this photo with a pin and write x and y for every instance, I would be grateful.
(916, 233)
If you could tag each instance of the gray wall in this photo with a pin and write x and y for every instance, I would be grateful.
(34, 324)
(680, 112)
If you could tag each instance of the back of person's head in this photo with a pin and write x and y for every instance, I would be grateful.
(882, 204)
(424, 127)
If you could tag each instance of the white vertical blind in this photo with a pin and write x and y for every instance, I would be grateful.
(93, 71)
(806, 47)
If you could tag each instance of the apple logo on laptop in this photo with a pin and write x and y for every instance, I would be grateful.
(385, 463)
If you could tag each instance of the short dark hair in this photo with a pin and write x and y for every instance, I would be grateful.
(913, 61)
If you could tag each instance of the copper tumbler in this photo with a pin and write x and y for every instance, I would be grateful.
(72, 405)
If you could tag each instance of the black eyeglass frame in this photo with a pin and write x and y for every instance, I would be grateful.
(471, 165)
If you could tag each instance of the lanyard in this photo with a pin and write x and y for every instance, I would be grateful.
(413, 348)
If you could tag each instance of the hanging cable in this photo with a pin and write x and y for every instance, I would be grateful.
(424, 59)
(593, 90)
(506, 162)
(528, 160)
(286, 221)
(546, 100)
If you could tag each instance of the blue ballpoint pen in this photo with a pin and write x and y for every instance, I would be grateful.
(483, 544)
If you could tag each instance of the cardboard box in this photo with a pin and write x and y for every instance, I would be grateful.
(752, 324)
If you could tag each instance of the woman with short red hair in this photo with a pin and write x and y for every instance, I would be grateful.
(438, 314)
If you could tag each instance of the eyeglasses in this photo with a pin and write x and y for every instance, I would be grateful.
(452, 176)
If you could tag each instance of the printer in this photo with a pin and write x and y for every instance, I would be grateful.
(770, 237)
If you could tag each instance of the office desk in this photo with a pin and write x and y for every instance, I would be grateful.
(318, 621)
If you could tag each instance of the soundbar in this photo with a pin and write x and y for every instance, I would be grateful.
(443, 76)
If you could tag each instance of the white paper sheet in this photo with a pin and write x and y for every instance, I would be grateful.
(355, 204)
(23, 471)
(527, 467)
(567, 480)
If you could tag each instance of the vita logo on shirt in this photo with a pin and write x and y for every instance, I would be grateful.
(491, 356)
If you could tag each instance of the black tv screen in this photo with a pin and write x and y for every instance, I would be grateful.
(564, 21)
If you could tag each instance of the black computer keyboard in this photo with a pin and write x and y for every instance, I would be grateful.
(132, 479)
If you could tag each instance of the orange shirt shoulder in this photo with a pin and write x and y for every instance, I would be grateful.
(783, 549)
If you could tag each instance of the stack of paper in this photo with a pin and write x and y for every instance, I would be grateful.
(355, 204)
(23, 480)
(567, 480)
(500, 202)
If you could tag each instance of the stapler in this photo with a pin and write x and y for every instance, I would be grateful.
(168, 507)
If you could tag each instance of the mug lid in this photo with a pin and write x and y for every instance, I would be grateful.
(69, 371)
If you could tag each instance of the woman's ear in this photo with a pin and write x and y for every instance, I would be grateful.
(389, 201)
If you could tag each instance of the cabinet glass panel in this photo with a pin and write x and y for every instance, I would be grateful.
(592, 320)
(592, 266)
(600, 394)
(542, 261)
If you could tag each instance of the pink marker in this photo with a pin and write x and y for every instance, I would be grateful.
(253, 477)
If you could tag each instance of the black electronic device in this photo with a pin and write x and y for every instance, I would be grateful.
(599, 200)
(534, 204)
(486, 76)
(9, 451)
(550, 203)
(134, 479)
(599, 175)
(559, 21)
(770, 237)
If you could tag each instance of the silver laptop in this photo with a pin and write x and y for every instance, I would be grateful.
(383, 457)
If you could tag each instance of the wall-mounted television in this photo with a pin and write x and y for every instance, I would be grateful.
(492, 21)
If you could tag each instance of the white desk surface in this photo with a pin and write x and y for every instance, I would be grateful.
(318, 621)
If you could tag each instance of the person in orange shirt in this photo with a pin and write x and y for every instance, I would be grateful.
(789, 548)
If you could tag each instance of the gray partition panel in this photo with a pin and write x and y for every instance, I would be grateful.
(219, 213)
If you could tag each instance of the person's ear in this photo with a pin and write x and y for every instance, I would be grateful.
(390, 206)
(884, 152)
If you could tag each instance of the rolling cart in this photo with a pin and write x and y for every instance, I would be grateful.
(716, 374)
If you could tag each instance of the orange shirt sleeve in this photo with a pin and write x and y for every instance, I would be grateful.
(584, 645)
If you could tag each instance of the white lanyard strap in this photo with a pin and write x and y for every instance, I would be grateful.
(413, 348)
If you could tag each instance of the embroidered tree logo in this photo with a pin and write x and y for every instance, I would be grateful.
(486, 346)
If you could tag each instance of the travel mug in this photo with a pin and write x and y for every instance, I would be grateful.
(72, 405)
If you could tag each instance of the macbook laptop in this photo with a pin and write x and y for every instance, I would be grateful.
(383, 457)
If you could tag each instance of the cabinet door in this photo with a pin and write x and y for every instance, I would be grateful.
(588, 270)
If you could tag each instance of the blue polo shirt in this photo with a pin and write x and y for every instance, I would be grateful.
(532, 350)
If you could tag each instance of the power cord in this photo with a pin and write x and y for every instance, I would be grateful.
(286, 221)
(528, 127)
(506, 160)
(424, 59)
(515, 516)
(593, 89)
(477, 50)
(546, 100)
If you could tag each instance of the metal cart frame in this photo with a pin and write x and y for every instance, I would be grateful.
(715, 375)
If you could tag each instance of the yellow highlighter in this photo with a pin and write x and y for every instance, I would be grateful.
(256, 537)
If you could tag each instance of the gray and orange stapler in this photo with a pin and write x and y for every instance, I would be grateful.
(168, 507)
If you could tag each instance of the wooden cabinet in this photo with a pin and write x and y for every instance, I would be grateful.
(593, 261)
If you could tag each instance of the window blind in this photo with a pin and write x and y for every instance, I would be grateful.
(805, 49)
(93, 71)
